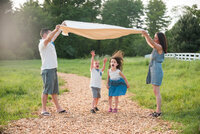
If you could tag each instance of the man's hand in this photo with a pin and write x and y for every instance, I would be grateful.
(57, 27)
(93, 53)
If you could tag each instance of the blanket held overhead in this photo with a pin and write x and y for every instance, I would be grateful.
(96, 31)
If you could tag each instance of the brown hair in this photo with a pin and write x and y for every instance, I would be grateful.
(118, 56)
(162, 40)
(43, 31)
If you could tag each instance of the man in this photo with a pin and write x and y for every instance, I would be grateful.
(49, 68)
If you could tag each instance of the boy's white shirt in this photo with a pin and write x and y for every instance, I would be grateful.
(95, 80)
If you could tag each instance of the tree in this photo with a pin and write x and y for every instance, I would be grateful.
(184, 35)
(126, 13)
(194, 11)
(5, 24)
(30, 18)
(156, 19)
(79, 10)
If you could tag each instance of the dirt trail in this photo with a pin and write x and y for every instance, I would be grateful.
(131, 119)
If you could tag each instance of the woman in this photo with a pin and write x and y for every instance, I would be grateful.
(155, 74)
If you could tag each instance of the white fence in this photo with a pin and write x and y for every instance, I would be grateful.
(184, 56)
(181, 56)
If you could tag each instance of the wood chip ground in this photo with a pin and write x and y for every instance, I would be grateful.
(130, 119)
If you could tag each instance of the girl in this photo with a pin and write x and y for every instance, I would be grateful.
(116, 81)
(155, 74)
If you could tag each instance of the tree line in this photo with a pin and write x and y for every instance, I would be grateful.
(19, 35)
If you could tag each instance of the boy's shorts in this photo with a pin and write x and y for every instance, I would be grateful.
(50, 81)
(96, 92)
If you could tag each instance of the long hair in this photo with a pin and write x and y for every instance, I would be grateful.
(162, 40)
(118, 56)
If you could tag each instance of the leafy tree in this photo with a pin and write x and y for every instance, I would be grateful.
(30, 18)
(184, 36)
(194, 11)
(126, 13)
(156, 19)
(5, 26)
(79, 10)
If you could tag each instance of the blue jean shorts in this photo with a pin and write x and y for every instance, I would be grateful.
(50, 81)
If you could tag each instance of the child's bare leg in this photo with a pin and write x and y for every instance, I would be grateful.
(116, 101)
(95, 101)
(110, 101)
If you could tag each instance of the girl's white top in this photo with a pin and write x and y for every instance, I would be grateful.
(114, 75)
(96, 76)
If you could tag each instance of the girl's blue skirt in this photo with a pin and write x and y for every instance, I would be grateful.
(117, 87)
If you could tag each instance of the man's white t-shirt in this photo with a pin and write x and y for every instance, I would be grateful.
(48, 55)
(96, 76)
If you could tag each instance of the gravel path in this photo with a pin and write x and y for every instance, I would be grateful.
(131, 119)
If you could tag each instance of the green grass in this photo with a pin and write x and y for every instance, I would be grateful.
(20, 85)
(21, 88)
(180, 89)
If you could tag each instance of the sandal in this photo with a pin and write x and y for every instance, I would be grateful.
(45, 113)
(115, 110)
(96, 109)
(62, 111)
(155, 114)
(110, 110)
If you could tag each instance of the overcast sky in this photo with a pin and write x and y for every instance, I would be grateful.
(169, 3)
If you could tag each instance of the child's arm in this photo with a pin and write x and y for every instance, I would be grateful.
(123, 76)
(104, 64)
(92, 60)
(108, 80)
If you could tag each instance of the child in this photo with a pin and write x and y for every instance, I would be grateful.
(116, 81)
(95, 82)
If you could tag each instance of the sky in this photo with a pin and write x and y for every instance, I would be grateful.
(169, 3)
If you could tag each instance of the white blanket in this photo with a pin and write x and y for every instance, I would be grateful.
(96, 31)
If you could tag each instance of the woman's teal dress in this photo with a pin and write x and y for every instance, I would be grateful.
(155, 74)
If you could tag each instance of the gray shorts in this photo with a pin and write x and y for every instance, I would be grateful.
(50, 81)
(96, 92)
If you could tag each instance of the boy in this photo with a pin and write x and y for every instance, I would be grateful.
(95, 82)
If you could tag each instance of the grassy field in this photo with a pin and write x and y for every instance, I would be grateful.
(21, 87)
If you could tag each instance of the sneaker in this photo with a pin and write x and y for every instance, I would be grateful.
(110, 110)
(115, 110)
(92, 111)
(96, 109)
